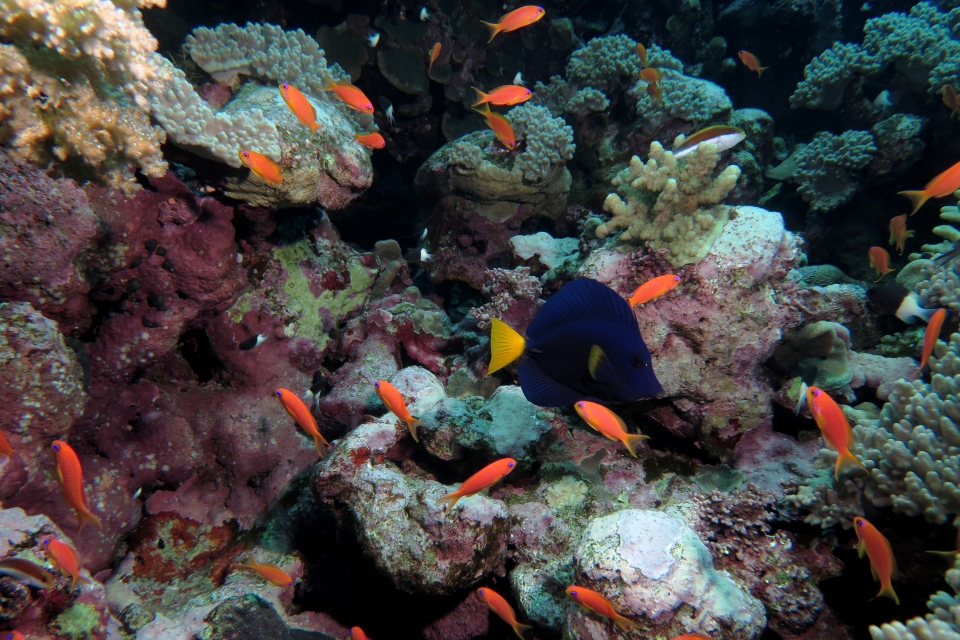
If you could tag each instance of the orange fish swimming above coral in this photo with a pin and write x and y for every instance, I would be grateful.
(434, 53)
(931, 334)
(349, 95)
(652, 77)
(834, 427)
(393, 400)
(654, 288)
(940, 187)
(297, 410)
(262, 166)
(486, 477)
(642, 52)
(356, 633)
(593, 601)
(70, 475)
(516, 19)
(505, 96)
(502, 128)
(271, 573)
(899, 233)
(750, 61)
(609, 424)
(883, 565)
(299, 105)
(371, 140)
(879, 260)
(65, 558)
(951, 99)
(502, 608)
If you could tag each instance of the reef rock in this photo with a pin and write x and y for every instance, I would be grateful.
(660, 575)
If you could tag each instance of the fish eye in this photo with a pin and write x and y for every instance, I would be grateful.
(510, 464)
(246, 154)
(56, 447)
(377, 384)
(637, 361)
(573, 593)
(47, 541)
(279, 393)
(816, 393)
(481, 592)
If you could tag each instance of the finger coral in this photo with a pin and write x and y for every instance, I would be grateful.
(670, 204)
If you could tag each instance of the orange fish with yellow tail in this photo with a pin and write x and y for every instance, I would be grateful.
(516, 19)
(13, 635)
(299, 105)
(593, 601)
(899, 233)
(393, 400)
(654, 288)
(750, 61)
(951, 99)
(434, 54)
(70, 475)
(371, 140)
(931, 334)
(879, 260)
(502, 128)
(502, 608)
(609, 424)
(642, 52)
(65, 558)
(486, 477)
(349, 95)
(833, 425)
(652, 77)
(883, 565)
(505, 96)
(271, 573)
(298, 411)
(940, 187)
(262, 166)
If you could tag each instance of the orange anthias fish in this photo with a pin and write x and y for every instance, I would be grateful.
(593, 601)
(751, 62)
(271, 573)
(372, 140)
(652, 77)
(516, 19)
(833, 425)
(262, 166)
(356, 633)
(609, 424)
(642, 52)
(931, 334)
(879, 260)
(899, 233)
(692, 636)
(941, 186)
(298, 411)
(486, 477)
(13, 635)
(64, 557)
(502, 608)
(883, 565)
(654, 288)
(5, 448)
(350, 95)
(500, 125)
(434, 54)
(300, 106)
(71, 479)
(505, 96)
(390, 396)
(951, 99)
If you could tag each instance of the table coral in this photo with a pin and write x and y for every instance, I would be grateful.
(670, 204)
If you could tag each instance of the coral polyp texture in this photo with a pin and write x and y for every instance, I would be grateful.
(670, 204)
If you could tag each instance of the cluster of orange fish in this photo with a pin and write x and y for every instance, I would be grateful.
(650, 75)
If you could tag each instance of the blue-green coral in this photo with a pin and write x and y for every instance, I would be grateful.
(827, 167)
(548, 141)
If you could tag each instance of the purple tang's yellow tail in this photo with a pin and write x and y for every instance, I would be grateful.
(506, 345)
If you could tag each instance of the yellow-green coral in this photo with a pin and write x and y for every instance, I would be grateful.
(670, 203)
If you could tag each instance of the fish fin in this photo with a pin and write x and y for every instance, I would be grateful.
(917, 198)
(802, 400)
(506, 345)
(315, 127)
(887, 591)
(949, 556)
(87, 518)
(873, 572)
(861, 549)
(452, 498)
(483, 109)
(481, 98)
(583, 300)
(846, 458)
(494, 29)
(626, 624)
(926, 314)
(540, 389)
(412, 425)
(520, 628)
(328, 83)
(760, 71)
(631, 441)
(599, 365)
(321, 443)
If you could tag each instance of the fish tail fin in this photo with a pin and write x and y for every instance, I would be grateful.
(802, 400)
(887, 591)
(520, 628)
(328, 83)
(917, 198)
(506, 345)
(632, 441)
(412, 425)
(494, 29)
(452, 498)
(881, 276)
(321, 443)
(760, 71)
(626, 624)
(314, 127)
(949, 556)
(845, 458)
(481, 98)
(87, 518)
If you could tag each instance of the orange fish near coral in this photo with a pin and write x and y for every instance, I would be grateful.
(652, 77)
(486, 477)
(642, 52)
(516, 19)
(692, 636)
(941, 186)
(505, 96)
(300, 106)
(350, 95)
(5, 449)
(500, 125)
(593, 601)
(64, 557)
(13, 635)
(879, 260)
(390, 396)
(372, 140)
(262, 166)
(298, 411)
(654, 288)
(502, 608)
(931, 334)
(899, 233)
(356, 633)
(70, 475)
(271, 573)
(951, 99)
(609, 424)
(434, 54)
(751, 62)
(833, 425)
(883, 565)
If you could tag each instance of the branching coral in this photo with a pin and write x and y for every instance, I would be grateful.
(670, 204)
(548, 141)
(941, 284)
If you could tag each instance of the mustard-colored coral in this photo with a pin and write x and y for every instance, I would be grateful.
(670, 203)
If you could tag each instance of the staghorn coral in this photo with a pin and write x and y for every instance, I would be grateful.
(670, 204)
